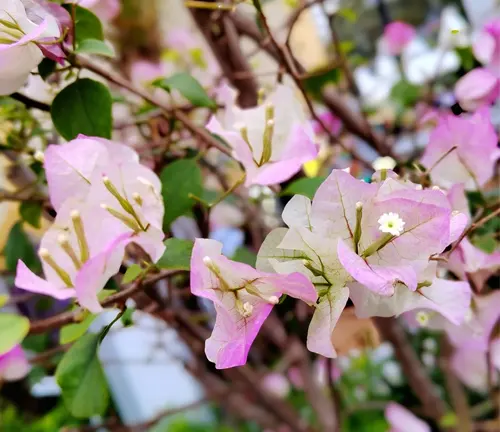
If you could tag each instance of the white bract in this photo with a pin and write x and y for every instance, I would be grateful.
(22, 24)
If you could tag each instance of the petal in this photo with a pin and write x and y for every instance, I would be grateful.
(233, 335)
(326, 315)
(458, 223)
(476, 88)
(379, 279)
(94, 274)
(269, 251)
(402, 420)
(14, 365)
(297, 212)
(27, 280)
(295, 285)
(471, 368)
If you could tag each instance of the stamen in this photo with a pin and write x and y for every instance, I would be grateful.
(63, 241)
(39, 156)
(113, 191)
(45, 255)
(131, 223)
(80, 235)
(357, 229)
(267, 143)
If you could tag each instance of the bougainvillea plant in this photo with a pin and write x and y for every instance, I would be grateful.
(321, 241)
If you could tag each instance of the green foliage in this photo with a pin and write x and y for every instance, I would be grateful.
(317, 80)
(245, 255)
(95, 46)
(179, 179)
(87, 25)
(189, 87)
(46, 68)
(31, 212)
(19, 247)
(83, 107)
(348, 14)
(132, 273)
(13, 329)
(405, 94)
(72, 332)
(81, 378)
(305, 186)
(177, 256)
(467, 58)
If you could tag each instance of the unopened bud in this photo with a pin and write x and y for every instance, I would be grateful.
(39, 156)
(422, 318)
(207, 261)
(274, 300)
(359, 205)
(247, 309)
(62, 239)
(43, 253)
(419, 187)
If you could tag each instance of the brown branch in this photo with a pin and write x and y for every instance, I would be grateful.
(30, 103)
(182, 117)
(64, 318)
(352, 121)
(221, 34)
(419, 381)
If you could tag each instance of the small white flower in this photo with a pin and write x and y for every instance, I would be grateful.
(391, 223)
(385, 162)
(422, 318)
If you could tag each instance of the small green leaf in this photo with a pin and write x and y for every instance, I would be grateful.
(81, 378)
(127, 317)
(13, 329)
(87, 25)
(405, 94)
(177, 255)
(305, 186)
(46, 68)
(19, 247)
(245, 255)
(179, 179)
(317, 80)
(94, 46)
(132, 273)
(83, 107)
(31, 212)
(72, 332)
(189, 87)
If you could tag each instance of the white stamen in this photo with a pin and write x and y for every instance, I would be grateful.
(382, 163)
(43, 253)
(391, 223)
(273, 300)
(207, 260)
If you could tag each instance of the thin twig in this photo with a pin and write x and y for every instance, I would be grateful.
(30, 103)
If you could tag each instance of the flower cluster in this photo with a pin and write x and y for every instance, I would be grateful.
(373, 243)
(29, 30)
(104, 199)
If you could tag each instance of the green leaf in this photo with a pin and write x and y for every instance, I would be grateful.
(83, 107)
(19, 247)
(132, 273)
(177, 255)
(31, 212)
(81, 378)
(179, 179)
(486, 243)
(94, 46)
(46, 68)
(72, 332)
(13, 329)
(189, 87)
(87, 25)
(405, 94)
(467, 58)
(449, 420)
(317, 80)
(245, 255)
(305, 186)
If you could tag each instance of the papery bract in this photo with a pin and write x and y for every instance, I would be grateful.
(109, 175)
(272, 140)
(79, 253)
(107, 10)
(19, 52)
(402, 420)
(472, 162)
(243, 298)
(397, 35)
(13, 365)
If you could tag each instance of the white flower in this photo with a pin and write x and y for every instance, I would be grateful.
(391, 223)
(422, 318)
